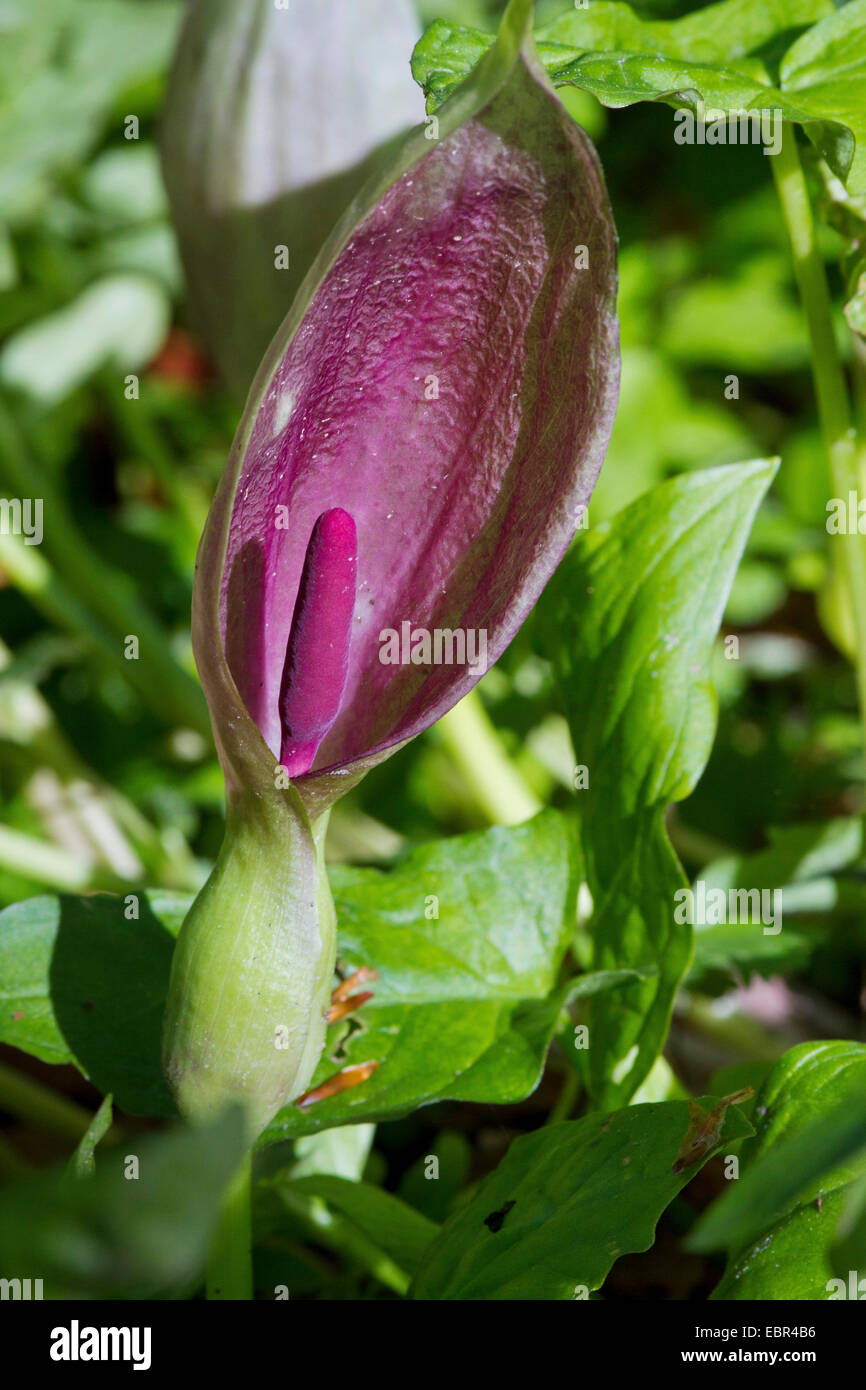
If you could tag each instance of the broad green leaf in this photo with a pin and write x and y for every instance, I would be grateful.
(392, 1225)
(464, 1007)
(809, 1083)
(478, 917)
(790, 1262)
(809, 1145)
(721, 34)
(466, 1004)
(83, 1162)
(564, 1204)
(641, 597)
(82, 982)
(715, 37)
(467, 936)
(631, 617)
(118, 1236)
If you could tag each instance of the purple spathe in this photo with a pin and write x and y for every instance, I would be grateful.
(451, 386)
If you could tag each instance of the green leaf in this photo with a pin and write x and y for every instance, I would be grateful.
(630, 618)
(714, 56)
(83, 983)
(714, 37)
(720, 34)
(466, 1003)
(392, 1225)
(83, 1163)
(564, 1204)
(790, 1261)
(444, 55)
(483, 916)
(805, 1086)
(117, 1236)
(809, 1145)
(848, 1251)
(825, 71)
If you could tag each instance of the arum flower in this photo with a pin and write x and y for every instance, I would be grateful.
(274, 118)
(416, 451)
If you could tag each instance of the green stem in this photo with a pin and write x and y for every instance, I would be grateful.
(55, 866)
(29, 1100)
(230, 1262)
(831, 388)
(567, 1098)
(344, 1239)
(497, 787)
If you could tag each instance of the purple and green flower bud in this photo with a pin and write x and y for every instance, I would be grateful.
(274, 118)
(418, 448)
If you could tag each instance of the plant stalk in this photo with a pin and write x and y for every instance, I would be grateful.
(34, 1103)
(229, 1273)
(831, 388)
(497, 787)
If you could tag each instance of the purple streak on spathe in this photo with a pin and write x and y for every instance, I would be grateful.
(317, 652)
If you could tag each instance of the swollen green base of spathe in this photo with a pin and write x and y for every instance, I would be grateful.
(252, 971)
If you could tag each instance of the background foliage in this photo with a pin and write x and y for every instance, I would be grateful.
(745, 772)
